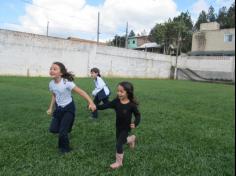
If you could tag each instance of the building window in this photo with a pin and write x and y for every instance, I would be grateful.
(134, 42)
(228, 38)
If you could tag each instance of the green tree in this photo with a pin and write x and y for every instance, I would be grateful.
(211, 16)
(163, 34)
(118, 41)
(131, 34)
(157, 33)
(184, 26)
(223, 19)
(201, 19)
(171, 34)
(186, 18)
(226, 18)
(173, 31)
(231, 16)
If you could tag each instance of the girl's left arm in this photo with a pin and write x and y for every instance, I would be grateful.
(137, 116)
(83, 94)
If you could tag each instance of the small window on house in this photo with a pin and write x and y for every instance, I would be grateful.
(133, 42)
(228, 38)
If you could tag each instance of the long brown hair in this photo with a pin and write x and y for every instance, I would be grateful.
(129, 88)
(65, 74)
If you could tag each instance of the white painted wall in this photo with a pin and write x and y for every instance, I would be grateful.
(209, 67)
(29, 54)
(207, 63)
(23, 53)
(131, 63)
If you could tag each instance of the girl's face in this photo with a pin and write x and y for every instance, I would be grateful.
(55, 71)
(94, 75)
(121, 93)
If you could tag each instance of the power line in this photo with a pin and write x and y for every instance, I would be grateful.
(59, 27)
(23, 28)
(56, 27)
(98, 28)
(53, 30)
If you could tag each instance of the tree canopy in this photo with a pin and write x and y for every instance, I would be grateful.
(180, 29)
(169, 33)
(225, 17)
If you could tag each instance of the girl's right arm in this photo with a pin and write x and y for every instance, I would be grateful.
(53, 100)
(83, 94)
(107, 105)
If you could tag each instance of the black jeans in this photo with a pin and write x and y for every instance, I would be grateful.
(121, 139)
(97, 102)
(62, 122)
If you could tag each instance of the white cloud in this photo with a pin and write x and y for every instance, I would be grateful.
(76, 17)
(198, 7)
(140, 14)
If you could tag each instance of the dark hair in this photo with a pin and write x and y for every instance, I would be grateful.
(96, 70)
(129, 88)
(65, 74)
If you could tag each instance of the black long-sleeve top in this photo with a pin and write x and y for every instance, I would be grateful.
(123, 113)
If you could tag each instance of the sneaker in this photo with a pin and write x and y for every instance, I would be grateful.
(93, 118)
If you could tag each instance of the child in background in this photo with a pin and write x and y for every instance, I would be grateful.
(61, 87)
(124, 105)
(101, 92)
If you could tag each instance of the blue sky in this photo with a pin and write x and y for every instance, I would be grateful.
(11, 10)
(13, 14)
(184, 5)
(95, 2)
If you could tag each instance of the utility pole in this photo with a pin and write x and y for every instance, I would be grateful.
(177, 54)
(126, 36)
(98, 28)
(164, 47)
(116, 40)
(47, 28)
(119, 42)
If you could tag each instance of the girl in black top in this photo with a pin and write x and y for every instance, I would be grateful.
(124, 105)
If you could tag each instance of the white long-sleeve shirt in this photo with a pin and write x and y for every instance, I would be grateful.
(99, 85)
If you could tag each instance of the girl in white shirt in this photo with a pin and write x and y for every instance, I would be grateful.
(61, 87)
(101, 92)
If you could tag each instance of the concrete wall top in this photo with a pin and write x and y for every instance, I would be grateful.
(40, 41)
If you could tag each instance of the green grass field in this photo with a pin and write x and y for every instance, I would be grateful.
(187, 129)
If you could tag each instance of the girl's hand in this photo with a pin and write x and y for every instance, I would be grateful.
(94, 93)
(49, 112)
(92, 107)
(132, 126)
